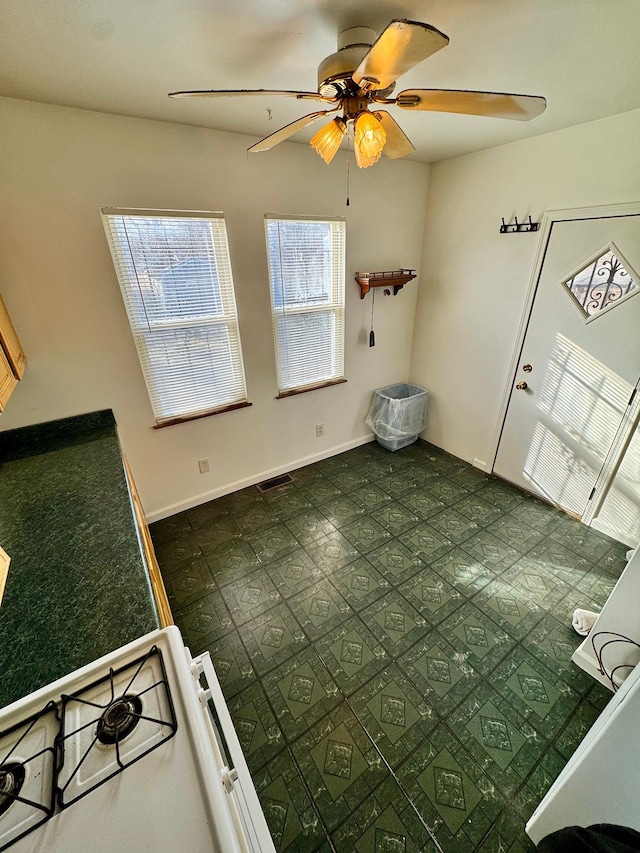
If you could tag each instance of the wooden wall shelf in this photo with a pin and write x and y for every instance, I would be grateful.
(395, 279)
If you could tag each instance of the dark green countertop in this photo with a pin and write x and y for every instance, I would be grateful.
(78, 586)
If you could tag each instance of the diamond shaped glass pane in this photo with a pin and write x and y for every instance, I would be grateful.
(606, 280)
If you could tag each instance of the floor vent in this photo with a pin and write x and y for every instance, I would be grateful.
(267, 485)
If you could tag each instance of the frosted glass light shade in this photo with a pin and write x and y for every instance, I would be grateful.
(369, 139)
(327, 140)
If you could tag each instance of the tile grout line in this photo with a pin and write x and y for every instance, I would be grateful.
(325, 829)
(346, 699)
(288, 744)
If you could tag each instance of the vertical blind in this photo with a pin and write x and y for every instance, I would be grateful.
(306, 258)
(175, 275)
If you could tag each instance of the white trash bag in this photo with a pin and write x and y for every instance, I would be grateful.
(398, 414)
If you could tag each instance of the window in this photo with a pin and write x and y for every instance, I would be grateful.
(600, 284)
(175, 275)
(306, 275)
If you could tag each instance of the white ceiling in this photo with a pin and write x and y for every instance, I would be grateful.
(124, 56)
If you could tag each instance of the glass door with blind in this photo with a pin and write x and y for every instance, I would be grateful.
(572, 406)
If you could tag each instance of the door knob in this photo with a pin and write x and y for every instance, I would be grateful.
(522, 386)
(527, 368)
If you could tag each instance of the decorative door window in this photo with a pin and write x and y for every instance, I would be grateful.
(602, 283)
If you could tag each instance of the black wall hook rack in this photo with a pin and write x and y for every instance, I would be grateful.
(515, 226)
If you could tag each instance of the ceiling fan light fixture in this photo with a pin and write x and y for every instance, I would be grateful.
(327, 140)
(369, 139)
(362, 74)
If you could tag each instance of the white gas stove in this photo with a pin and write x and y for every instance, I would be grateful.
(134, 751)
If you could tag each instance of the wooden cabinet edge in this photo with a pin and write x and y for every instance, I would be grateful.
(8, 381)
(11, 343)
(155, 576)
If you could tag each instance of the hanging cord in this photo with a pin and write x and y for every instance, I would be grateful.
(348, 161)
(372, 337)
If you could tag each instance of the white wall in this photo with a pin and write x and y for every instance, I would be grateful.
(58, 166)
(474, 280)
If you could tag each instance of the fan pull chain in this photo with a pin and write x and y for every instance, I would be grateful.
(348, 162)
(372, 337)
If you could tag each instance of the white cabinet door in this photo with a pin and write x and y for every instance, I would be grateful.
(600, 783)
(606, 648)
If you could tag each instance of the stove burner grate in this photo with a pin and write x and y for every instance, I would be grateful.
(113, 722)
(27, 774)
(11, 781)
(119, 720)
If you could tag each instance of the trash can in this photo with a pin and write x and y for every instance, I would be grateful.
(398, 414)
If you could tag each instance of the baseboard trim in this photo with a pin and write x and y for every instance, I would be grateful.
(203, 497)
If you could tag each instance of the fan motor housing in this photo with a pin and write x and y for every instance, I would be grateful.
(334, 72)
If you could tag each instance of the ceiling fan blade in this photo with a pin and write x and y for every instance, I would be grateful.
(288, 130)
(397, 144)
(225, 93)
(401, 45)
(490, 104)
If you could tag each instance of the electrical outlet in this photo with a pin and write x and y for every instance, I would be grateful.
(204, 466)
(319, 430)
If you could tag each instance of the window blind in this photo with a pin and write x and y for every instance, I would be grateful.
(175, 276)
(306, 259)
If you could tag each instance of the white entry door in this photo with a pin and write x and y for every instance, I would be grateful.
(580, 360)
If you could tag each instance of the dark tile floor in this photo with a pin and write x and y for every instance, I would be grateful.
(392, 635)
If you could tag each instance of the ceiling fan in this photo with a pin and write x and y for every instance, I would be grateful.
(361, 75)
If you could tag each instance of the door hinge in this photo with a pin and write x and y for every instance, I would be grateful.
(632, 397)
(593, 491)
